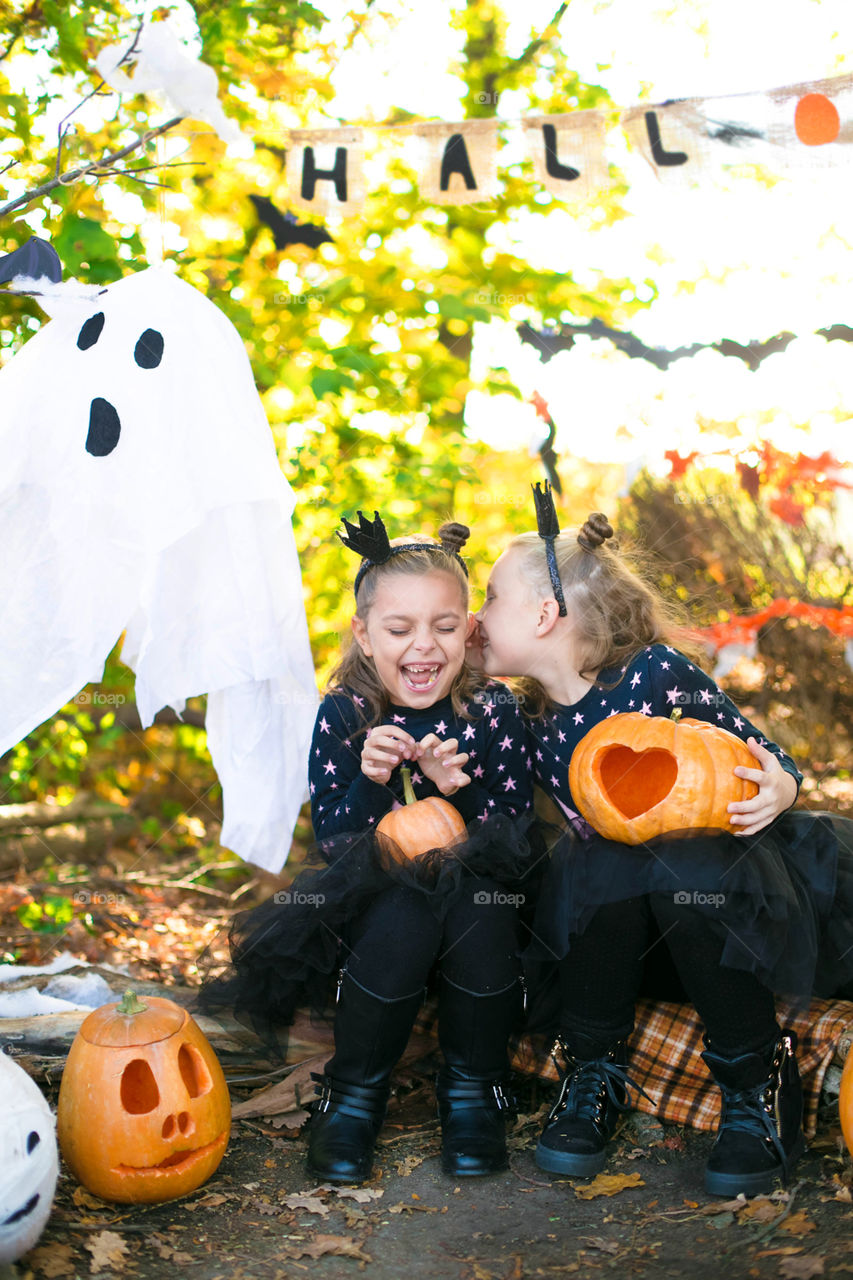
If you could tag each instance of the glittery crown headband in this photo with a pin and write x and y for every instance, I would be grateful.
(548, 528)
(370, 541)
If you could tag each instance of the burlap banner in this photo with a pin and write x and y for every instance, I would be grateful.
(790, 128)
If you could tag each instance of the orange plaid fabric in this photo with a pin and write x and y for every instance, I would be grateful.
(664, 1059)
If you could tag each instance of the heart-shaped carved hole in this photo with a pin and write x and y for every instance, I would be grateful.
(635, 781)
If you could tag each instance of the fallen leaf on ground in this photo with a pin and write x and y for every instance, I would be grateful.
(84, 1200)
(313, 1204)
(52, 1260)
(798, 1224)
(801, 1268)
(340, 1246)
(360, 1194)
(108, 1251)
(602, 1245)
(406, 1206)
(405, 1166)
(608, 1184)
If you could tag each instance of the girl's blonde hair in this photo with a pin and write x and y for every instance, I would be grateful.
(615, 608)
(356, 673)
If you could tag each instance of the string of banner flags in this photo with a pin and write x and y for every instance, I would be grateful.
(787, 128)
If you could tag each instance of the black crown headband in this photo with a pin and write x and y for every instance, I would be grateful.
(370, 541)
(548, 528)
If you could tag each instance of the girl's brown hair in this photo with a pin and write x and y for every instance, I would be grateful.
(617, 611)
(356, 673)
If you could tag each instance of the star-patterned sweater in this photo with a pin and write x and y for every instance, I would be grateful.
(343, 799)
(656, 680)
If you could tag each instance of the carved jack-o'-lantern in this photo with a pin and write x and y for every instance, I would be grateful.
(144, 1112)
(635, 777)
(845, 1101)
(29, 1164)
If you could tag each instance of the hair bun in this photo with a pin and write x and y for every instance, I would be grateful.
(453, 536)
(596, 530)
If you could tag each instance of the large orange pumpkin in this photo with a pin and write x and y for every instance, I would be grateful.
(845, 1101)
(419, 825)
(144, 1112)
(634, 777)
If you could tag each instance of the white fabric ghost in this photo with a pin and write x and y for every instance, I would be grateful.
(140, 491)
(161, 63)
(30, 1164)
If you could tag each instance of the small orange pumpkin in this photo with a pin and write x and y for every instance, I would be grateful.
(845, 1101)
(144, 1113)
(419, 825)
(634, 777)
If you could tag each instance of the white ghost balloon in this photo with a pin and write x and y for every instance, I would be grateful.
(140, 491)
(30, 1163)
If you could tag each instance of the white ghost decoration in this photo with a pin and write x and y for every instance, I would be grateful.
(162, 64)
(30, 1163)
(140, 491)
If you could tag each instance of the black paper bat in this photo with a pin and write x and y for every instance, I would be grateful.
(285, 228)
(36, 259)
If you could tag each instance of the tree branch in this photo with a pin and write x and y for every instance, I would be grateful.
(537, 43)
(74, 175)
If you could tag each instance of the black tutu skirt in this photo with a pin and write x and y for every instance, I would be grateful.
(782, 900)
(285, 953)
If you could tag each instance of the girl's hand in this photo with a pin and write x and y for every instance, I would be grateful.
(384, 747)
(777, 791)
(442, 763)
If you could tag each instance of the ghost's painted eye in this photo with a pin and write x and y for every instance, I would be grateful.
(33, 1141)
(148, 351)
(91, 331)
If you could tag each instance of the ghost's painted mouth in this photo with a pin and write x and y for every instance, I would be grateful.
(177, 1162)
(24, 1211)
(422, 677)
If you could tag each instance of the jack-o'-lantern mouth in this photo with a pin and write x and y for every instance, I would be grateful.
(176, 1163)
(24, 1211)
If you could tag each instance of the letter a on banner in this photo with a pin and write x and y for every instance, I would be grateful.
(324, 170)
(567, 152)
(457, 163)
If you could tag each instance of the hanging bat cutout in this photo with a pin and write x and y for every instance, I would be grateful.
(140, 493)
(285, 228)
(36, 260)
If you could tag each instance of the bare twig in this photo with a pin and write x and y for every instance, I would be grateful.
(74, 175)
(537, 43)
(61, 128)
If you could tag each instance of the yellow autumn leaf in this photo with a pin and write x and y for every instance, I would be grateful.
(608, 1184)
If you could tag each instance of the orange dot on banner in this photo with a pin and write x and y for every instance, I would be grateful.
(816, 120)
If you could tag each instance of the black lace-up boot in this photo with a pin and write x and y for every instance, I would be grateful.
(594, 1092)
(370, 1036)
(472, 1087)
(760, 1137)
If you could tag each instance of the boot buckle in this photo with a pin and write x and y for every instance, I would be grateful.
(503, 1099)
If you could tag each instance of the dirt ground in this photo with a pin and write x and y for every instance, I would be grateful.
(261, 1218)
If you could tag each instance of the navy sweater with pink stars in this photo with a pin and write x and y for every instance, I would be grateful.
(658, 679)
(343, 799)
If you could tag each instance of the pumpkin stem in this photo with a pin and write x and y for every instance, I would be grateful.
(675, 714)
(131, 1004)
(408, 789)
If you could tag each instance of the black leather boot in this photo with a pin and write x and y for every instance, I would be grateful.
(594, 1092)
(760, 1137)
(370, 1036)
(472, 1087)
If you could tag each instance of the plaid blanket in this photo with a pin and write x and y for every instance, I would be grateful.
(664, 1059)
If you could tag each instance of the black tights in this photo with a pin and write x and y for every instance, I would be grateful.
(393, 945)
(600, 977)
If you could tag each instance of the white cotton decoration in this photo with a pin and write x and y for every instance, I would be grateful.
(147, 498)
(729, 655)
(161, 63)
(30, 1162)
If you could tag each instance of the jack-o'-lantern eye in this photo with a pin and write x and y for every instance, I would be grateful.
(139, 1092)
(194, 1072)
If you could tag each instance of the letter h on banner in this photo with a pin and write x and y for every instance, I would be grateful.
(324, 170)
